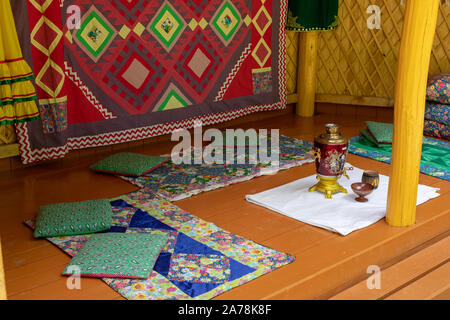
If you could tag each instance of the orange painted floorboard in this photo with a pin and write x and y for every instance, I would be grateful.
(423, 275)
(326, 263)
(426, 288)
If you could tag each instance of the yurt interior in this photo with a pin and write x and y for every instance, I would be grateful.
(224, 149)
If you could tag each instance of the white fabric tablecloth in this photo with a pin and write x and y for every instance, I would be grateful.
(342, 214)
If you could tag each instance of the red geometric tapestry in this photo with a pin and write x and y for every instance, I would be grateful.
(133, 69)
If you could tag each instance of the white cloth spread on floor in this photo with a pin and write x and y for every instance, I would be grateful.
(342, 214)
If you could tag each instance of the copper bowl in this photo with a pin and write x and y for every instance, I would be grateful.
(362, 189)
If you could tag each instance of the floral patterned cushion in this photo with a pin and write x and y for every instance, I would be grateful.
(438, 112)
(74, 218)
(381, 132)
(128, 164)
(117, 255)
(438, 89)
(436, 129)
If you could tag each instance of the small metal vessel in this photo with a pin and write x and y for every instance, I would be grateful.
(330, 151)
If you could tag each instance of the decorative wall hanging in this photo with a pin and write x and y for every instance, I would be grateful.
(137, 69)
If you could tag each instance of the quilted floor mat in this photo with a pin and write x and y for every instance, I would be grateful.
(175, 182)
(200, 260)
(435, 155)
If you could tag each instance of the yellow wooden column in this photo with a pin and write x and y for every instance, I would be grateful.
(409, 107)
(307, 70)
(2, 277)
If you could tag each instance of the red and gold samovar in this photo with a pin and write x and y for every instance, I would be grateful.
(330, 150)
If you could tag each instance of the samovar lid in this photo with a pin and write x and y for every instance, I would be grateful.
(332, 135)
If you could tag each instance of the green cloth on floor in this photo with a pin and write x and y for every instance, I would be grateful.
(310, 15)
(432, 155)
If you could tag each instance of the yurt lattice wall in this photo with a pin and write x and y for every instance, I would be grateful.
(355, 61)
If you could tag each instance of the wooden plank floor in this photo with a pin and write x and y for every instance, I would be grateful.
(424, 275)
(326, 263)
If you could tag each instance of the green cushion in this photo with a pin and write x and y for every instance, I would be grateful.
(73, 218)
(366, 134)
(128, 164)
(117, 255)
(381, 132)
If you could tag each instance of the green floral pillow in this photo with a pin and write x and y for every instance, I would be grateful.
(381, 132)
(73, 218)
(117, 255)
(128, 164)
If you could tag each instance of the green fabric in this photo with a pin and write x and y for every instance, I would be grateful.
(8, 101)
(117, 255)
(366, 134)
(382, 132)
(15, 80)
(11, 122)
(73, 218)
(309, 15)
(127, 163)
(432, 155)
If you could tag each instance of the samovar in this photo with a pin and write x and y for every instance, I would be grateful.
(330, 151)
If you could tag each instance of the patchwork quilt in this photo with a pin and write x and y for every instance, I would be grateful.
(109, 72)
(200, 260)
(175, 182)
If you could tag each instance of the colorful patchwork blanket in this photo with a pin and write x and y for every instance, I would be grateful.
(109, 72)
(175, 182)
(200, 260)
